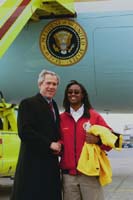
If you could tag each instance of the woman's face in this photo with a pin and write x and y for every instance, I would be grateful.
(75, 95)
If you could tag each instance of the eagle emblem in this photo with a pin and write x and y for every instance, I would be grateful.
(63, 42)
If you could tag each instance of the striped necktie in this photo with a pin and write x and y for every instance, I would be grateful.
(52, 109)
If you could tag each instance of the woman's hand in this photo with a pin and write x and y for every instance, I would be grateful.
(92, 139)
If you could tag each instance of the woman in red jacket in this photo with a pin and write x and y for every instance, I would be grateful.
(78, 111)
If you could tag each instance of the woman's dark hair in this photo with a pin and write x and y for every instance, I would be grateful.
(85, 100)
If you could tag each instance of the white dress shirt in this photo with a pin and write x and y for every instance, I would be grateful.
(78, 113)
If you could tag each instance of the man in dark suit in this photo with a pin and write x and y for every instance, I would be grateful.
(37, 174)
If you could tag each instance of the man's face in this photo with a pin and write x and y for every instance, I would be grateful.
(49, 86)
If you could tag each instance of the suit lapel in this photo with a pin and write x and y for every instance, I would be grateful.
(44, 103)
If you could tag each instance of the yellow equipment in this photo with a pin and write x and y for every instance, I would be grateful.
(9, 140)
(15, 14)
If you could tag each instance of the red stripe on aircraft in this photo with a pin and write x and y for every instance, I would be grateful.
(13, 17)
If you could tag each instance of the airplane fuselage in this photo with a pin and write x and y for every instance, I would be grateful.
(105, 68)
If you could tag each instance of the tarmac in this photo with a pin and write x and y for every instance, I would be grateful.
(121, 187)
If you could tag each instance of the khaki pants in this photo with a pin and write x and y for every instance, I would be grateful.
(82, 187)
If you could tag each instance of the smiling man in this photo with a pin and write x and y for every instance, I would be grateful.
(37, 174)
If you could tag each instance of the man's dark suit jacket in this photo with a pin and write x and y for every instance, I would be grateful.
(37, 173)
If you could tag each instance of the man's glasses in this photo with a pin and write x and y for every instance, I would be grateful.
(74, 92)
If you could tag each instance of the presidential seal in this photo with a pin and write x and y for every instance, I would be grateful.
(63, 42)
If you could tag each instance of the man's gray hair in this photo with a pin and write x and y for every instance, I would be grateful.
(43, 73)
